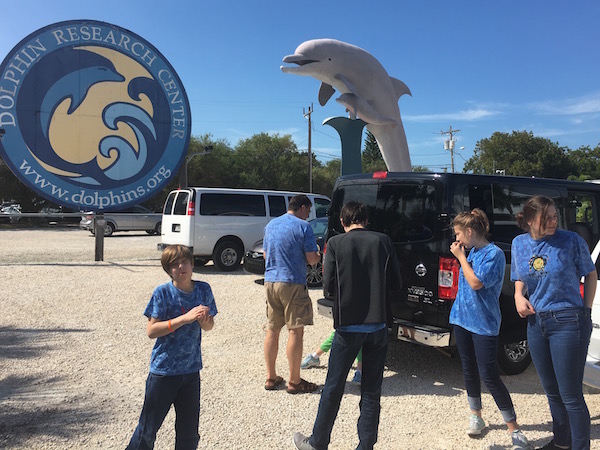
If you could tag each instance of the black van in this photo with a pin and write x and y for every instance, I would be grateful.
(415, 209)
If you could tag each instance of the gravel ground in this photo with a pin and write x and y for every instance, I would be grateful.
(74, 357)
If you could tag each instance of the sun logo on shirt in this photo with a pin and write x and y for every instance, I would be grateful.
(537, 265)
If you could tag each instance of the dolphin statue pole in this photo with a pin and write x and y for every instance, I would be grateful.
(367, 91)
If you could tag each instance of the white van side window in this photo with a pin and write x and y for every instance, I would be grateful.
(220, 204)
(277, 205)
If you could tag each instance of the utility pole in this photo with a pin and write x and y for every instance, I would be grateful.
(307, 116)
(449, 144)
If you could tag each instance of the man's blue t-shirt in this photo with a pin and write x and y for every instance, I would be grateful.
(478, 311)
(178, 353)
(551, 268)
(287, 239)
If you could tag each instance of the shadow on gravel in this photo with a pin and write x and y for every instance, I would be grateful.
(420, 370)
(28, 404)
(25, 343)
(21, 428)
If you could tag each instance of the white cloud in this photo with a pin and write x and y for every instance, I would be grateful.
(587, 104)
(468, 115)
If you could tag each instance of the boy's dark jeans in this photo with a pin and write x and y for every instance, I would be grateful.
(162, 391)
(343, 352)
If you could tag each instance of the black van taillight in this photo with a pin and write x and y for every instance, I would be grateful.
(191, 209)
(448, 278)
(380, 174)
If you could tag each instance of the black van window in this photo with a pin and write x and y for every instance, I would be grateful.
(169, 203)
(181, 203)
(508, 200)
(277, 205)
(321, 206)
(233, 205)
(405, 212)
(581, 210)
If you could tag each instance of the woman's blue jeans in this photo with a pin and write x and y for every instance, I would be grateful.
(558, 341)
(162, 391)
(478, 355)
(343, 352)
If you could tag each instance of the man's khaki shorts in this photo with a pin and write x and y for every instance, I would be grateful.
(288, 304)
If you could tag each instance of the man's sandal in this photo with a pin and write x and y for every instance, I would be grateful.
(304, 387)
(273, 383)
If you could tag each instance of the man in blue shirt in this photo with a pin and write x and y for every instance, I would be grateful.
(289, 243)
(360, 270)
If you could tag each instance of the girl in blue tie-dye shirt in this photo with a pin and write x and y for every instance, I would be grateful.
(476, 318)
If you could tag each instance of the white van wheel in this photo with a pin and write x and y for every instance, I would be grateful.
(227, 256)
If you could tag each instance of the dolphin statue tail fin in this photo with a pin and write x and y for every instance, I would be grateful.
(400, 88)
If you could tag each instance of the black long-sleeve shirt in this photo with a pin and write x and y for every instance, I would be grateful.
(360, 269)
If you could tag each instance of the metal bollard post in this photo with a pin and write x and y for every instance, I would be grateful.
(99, 225)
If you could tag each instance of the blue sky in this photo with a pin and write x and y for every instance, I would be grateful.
(478, 66)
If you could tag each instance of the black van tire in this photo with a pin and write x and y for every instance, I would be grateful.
(227, 256)
(513, 358)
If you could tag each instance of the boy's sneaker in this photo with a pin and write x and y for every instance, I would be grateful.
(476, 425)
(519, 441)
(309, 361)
(356, 379)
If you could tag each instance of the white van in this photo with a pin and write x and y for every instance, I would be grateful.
(221, 223)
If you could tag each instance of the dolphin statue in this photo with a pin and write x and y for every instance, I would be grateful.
(367, 91)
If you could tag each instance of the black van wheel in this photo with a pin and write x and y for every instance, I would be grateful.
(513, 358)
(227, 256)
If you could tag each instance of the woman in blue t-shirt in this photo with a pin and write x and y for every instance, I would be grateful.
(547, 264)
(476, 318)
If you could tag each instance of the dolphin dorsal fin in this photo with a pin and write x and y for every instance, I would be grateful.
(325, 93)
(400, 88)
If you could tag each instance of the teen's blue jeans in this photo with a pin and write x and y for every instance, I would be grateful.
(558, 341)
(478, 355)
(343, 352)
(162, 391)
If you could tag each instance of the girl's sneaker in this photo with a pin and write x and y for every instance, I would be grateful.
(356, 379)
(309, 361)
(519, 441)
(476, 425)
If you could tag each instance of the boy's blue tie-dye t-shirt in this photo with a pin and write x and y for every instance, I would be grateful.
(178, 353)
(478, 311)
(551, 268)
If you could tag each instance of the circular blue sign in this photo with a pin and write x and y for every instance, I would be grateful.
(95, 117)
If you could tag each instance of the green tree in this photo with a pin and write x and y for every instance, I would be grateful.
(372, 161)
(586, 162)
(520, 153)
(324, 176)
(421, 169)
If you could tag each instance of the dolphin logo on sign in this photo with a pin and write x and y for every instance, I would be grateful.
(95, 117)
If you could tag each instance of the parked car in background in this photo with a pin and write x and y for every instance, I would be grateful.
(254, 260)
(591, 374)
(52, 214)
(9, 212)
(136, 218)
